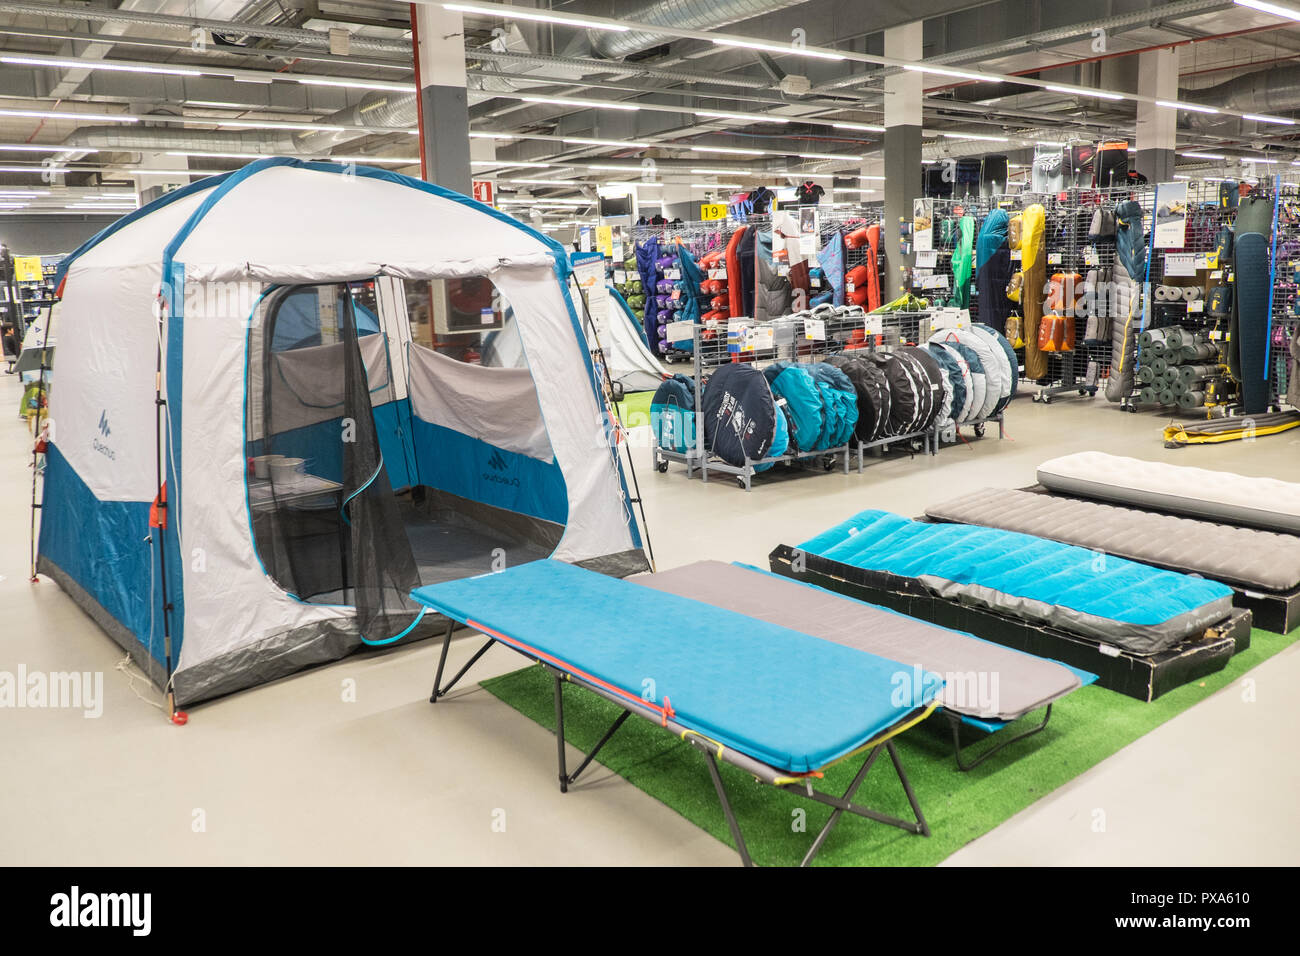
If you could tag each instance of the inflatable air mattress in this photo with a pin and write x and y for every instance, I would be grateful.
(1180, 489)
(1137, 608)
(1247, 557)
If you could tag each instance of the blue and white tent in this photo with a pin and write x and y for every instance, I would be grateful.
(246, 343)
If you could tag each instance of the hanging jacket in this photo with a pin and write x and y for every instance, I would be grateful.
(745, 271)
(647, 254)
(772, 291)
(993, 271)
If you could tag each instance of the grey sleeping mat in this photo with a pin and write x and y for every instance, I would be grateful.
(983, 679)
(1246, 557)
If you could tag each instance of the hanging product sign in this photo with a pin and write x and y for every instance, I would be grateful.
(711, 211)
(927, 259)
(484, 190)
(584, 239)
(679, 332)
(1171, 216)
(605, 240)
(922, 225)
(589, 273)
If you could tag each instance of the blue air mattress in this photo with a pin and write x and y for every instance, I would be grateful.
(1132, 606)
(792, 701)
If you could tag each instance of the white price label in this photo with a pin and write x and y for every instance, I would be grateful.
(717, 273)
(849, 286)
(874, 325)
(935, 282)
(927, 259)
(1196, 305)
(814, 330)
(1180, 264)
(1015, 255)
(620, 276)
(1053, 258)
(673, 274)
(679, 331)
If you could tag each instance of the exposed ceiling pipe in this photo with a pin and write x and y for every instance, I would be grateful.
(80, 13)
(681, 15)
(1264, 91)
(586, 65)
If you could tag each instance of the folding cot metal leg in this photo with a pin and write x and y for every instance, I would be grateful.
(962, 765)
(741, 848)
(438, 689)
(591, 754)
(559, 732)
(839, 810)
(922, 827)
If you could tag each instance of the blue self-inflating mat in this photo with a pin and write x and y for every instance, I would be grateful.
(1132, 605)
(792, 701)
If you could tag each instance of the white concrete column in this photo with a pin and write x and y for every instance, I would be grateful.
(902, 154)
(444, 103)
(1157, 126)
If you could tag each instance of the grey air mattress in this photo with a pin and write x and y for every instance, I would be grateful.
(1246, 557)
(983, 680)
(1180, 489)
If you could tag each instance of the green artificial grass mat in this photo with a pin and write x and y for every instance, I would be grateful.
(634, 410)
(1086, 727)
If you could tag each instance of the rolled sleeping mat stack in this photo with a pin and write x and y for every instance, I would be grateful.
(1192, 399)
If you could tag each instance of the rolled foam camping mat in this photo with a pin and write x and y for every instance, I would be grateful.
(1145, 374)
(1189, 400)
(1194, 373)
(1166, 396)
(1235, 429)
(1249, 334)
(1147, 395)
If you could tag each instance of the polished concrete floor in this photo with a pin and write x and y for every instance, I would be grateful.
(295, 773)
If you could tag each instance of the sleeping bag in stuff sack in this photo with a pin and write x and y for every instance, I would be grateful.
(871, 388)
(932, 384)
(992, 362)
(954, 384)
(739, 414)
(856, 239)
(907, 392)
(857, 297)
(1249, 329)
(1012, 367)
(672, 414)
(839, 403)
(831, 260)
(791, 382)
(858, 276)
(978, 381)
(963, 399)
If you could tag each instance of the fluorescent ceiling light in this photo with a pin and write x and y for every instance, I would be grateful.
(52, 114)
(217, 103)
(401, 161)
(734, 151)
(778, 48)
(350, 84)
(594, 104)
(753, 117)
(634, 182)
(586, 141)
(979, 136)
(943, 71)
(1203, 155)
(476, 135)
(855, 189)
(1081, 91)
(1181, 176)
(864, 127)
(504, 163)
(1193, 107)
(13, 205)
(590, 24)
(45, 148)
(547, 182)
(24, 192)
(262, 124)
(722, 172)
(614, 169)
(1260, 118)
(715, 185)
(1287, 13)
(98, 65)
(864, 176)
(99, 205)
(828, 156)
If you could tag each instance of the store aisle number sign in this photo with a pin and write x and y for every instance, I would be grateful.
(712, 211)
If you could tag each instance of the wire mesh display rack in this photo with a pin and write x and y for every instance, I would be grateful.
(1286, 293)
(790, 342)
(1070, 250)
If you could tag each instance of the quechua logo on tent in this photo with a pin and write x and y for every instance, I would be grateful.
(105, 431)
(497, 462)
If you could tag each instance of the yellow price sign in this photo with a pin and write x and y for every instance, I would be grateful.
(710, 211)
(28, 269)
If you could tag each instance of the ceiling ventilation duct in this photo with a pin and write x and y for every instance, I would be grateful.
(683, 15)
(1264, 91)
